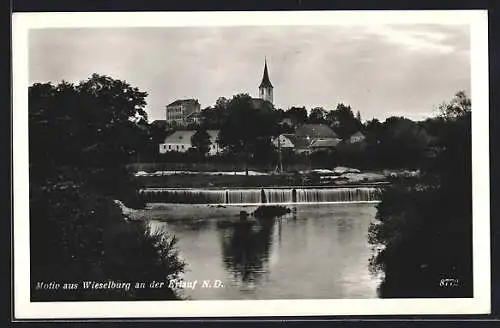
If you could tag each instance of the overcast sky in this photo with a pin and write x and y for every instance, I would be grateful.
(382, 70)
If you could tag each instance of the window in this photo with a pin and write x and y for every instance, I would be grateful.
(169, 147)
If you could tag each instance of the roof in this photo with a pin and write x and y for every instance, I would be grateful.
(315, 131)
(266, 83)
(297, 141)
(184, 136)
(325, 143)
(184, 101)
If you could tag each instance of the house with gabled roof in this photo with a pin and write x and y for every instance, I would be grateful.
(292, 142)
(180, 141)
(308, 138)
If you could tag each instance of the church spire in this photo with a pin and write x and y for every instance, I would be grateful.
(266, 83)
(266, 88)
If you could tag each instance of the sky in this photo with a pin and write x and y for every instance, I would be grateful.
(381, 70)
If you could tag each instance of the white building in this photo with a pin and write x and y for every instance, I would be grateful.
(180, 141)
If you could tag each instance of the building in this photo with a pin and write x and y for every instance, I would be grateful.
(180, 141)
(179, 112)
(308, 138)
(315, 131)
(265, 87)
(292, 142)
(193, 118)
(324, 144)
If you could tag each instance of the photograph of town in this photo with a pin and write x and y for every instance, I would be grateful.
(250, 162)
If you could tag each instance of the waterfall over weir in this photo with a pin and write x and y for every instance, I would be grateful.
(262, 196)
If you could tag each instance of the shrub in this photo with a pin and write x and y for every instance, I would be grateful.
(78, 234)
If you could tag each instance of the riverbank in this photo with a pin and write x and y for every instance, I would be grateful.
(174, 212)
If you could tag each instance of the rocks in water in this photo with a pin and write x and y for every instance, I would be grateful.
(271, 211)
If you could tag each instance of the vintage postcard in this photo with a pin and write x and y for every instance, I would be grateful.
(209, 164)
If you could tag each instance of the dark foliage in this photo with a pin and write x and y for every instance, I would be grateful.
(425, 226)
(298, 115)
(201, 142)
(344, 122)
(247, 131)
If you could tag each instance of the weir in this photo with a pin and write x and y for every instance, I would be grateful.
(289, 195)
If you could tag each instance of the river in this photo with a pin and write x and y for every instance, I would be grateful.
(319, 251)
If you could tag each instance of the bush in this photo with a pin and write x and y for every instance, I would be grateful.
(425, 240)
(78, 234)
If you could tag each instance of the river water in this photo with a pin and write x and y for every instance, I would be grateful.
(319, 251)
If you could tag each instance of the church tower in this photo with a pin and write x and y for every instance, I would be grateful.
(266, 88)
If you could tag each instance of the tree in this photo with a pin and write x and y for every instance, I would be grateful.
(213, 117)
(201, 142)
(247, 130)
(298, 115)
(344, 122)
(457, 108)
(81, 138)
(358, 116)
(405, 138)
(317, 115)
(425, 226)
(99, 121)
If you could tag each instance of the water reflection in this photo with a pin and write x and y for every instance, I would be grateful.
(245, 248)
(313, 252)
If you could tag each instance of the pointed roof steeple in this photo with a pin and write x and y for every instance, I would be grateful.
(266, 83)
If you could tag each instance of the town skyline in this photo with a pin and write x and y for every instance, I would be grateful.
(381, 71)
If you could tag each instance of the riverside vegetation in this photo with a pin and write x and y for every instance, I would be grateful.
(425, 225)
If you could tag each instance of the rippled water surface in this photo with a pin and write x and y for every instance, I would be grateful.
(319, 251)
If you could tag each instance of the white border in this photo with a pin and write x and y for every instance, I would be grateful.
(480, 304)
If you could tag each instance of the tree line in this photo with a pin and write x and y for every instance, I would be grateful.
(423, 227)
(246, 133)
